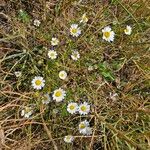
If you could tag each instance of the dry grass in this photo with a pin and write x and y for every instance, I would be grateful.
(120, 123)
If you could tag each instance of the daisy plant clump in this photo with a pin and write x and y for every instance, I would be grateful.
(54, 41)
(63, 75)
(27, 112)
(108, 34)
(84, 19)
(52, 54)
(59, 95)
(38, 83)
(72, 107)
(68, 139)
(84, 108)
(84, 128)
(75, 30)
(128, 30)
(61, 44)
(75, 55)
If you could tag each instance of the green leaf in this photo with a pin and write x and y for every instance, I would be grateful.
(64, 110)
(108, 76)
(23, 16)
(106, 72)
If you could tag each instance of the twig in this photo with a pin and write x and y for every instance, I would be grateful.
(48, 131)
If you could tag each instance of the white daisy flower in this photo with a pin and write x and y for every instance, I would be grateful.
(108, 34)
(38, 82)
(84, 128)
(68, 139)
(84, 19)
(17, 73)
(36, 22)
(83, 124)
(63, 75)
(59, 95)
(87, 131)
(128, 30)
(52, 54)
(26, 112)
(72, 108)
(84, 108)
(75, 55)
(75, 30)
(46, 99)
(54, 41)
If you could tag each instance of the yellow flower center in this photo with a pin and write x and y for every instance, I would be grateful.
(58, 93)
(82, 126)
(74, 30)
(83, 108)
(72, 107)
(52, 54)
(107, 34)
(62, 75)
(55, 41)
(75, 55)
(68, 137)
(38, 82)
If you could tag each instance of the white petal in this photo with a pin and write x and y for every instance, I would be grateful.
(74, 25)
